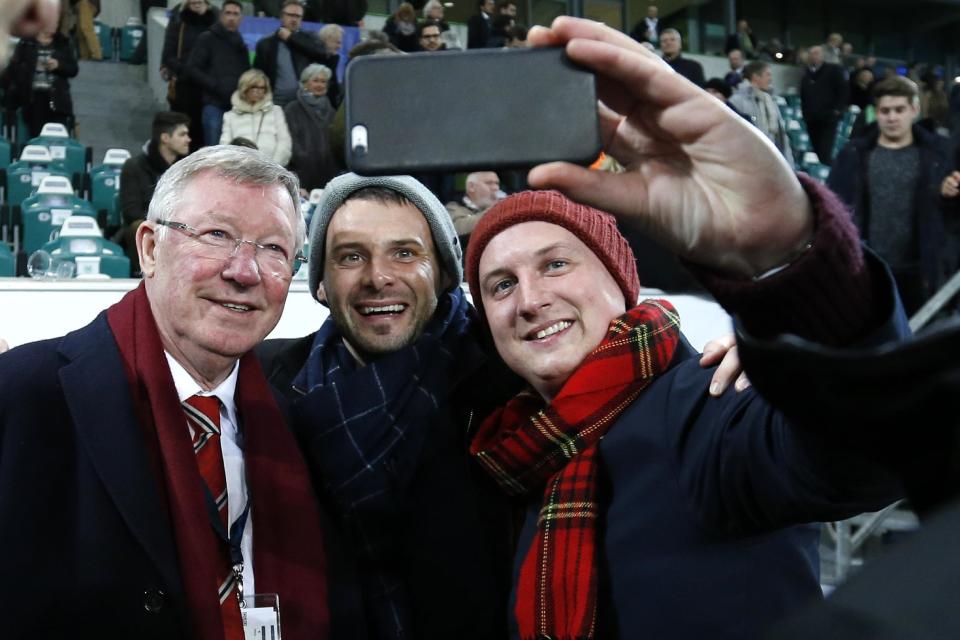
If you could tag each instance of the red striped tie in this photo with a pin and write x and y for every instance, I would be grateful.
(203, 416)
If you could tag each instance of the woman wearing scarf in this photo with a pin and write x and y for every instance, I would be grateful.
(308, 118)
(401, 28)
(256, 118)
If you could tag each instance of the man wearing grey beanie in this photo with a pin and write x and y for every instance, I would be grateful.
(385, 398)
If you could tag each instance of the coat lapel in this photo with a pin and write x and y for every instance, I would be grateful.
(95, 390)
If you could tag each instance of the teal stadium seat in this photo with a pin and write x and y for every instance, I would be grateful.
(24, 175)
(105, 185)
(81, 242)
(45, 212)
(105, 36)
(55, 137)
(8, 264)
(130, 36)
(6, 153)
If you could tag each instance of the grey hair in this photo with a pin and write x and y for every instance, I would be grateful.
(328, 29)
(239, 164)
(430, 5)
(315, 69)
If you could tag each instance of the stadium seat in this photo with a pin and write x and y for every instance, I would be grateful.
(104, 186)
(45, 212)
(130, 36)
(6, 153)
(105, 36)
(24, 175)
(74, 155)
(81, 242)
(8, 264)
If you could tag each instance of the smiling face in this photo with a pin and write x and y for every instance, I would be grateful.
(381, 274)
(210, 312)
(548, 301)
(317, 85)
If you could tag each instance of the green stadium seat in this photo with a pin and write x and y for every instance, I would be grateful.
(45, 212)
(105, 185)
(24, 175)
(105, 36)
(55, 137)
(81, 242)
(8, 263)
(130, 36)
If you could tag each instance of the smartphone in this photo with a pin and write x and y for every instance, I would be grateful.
(454, 111)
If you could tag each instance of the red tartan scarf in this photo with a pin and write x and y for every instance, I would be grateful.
(528, 447)
(288, 540)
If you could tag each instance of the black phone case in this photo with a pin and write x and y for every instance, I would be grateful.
(461, 111)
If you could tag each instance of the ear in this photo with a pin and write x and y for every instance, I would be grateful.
(147, 247)
(321, 293)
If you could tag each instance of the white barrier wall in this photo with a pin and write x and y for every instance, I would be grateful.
(34, 310)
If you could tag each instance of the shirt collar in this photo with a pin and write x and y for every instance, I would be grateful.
(187, 386)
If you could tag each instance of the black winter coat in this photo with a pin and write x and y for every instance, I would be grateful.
(193, 25)
(138, 179)
(216, 63)
(20, 73)
(305, 49)
(312, 159)
(823, 93)
(848, 179)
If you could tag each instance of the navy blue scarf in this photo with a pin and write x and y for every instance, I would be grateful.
(363, 427)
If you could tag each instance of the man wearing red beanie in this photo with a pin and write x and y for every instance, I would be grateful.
(653, 509)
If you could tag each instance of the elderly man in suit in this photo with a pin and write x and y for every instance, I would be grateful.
(147, 480)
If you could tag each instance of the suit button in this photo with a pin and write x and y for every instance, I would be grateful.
(153, 600)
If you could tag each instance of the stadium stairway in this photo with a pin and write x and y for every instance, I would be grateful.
(113, 105)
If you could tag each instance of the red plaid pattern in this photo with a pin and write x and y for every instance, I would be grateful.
(527, 447)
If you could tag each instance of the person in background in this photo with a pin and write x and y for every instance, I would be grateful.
(88, 44)
(284, 55)
(169, 142)
(308, 119)
(401, 28)
(186, 24)
(255, 117)
(216, 63)
(39, 80)
(482, 191)
(735, 76)
(331, 35)
(648, 29)
(479, 24)
(433, 10)
(743, 39)
(891, 180)
(757, 105)
(823, 98)
(430, 36)
(672, 44)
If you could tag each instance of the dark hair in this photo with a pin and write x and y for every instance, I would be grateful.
(502, 24)
(240, 141)
(167, 122)
(503, 4)
(383, 195)
(287, 3)
(518, 33)
(717, 84)
(370, 47)
(423, 24)
(897, 86)
(237, 3)
(754, 68)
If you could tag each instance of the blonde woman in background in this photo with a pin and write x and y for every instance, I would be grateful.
(256, 118)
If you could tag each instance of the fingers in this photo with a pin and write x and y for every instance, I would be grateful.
(620, 194)
(714, 350)
(950, 187)
(728, 371)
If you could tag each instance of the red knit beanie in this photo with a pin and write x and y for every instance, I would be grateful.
(596, 229)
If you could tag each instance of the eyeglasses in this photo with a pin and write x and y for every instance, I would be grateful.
(287, 14)
(431, 36)
(217, 244)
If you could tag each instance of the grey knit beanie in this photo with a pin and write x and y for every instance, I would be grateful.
(339, 189)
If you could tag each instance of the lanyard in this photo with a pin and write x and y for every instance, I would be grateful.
(233, 539)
